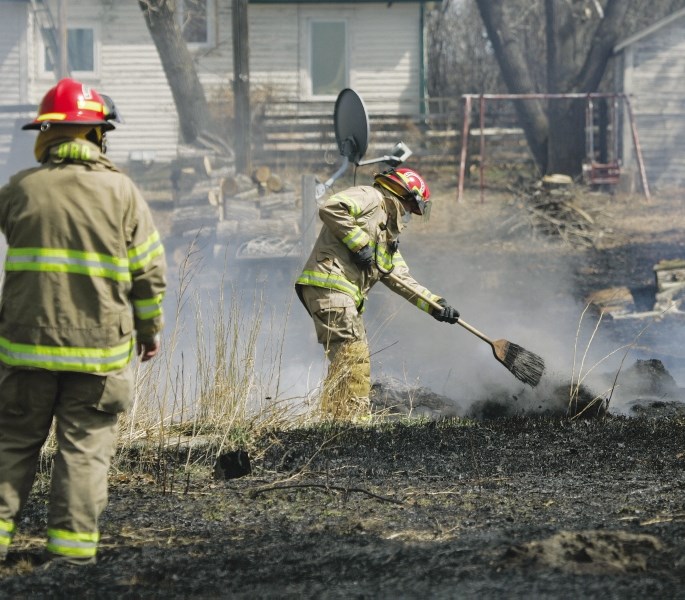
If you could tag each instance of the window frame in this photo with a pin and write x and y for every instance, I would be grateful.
(211, 12)
(94, 74)
(310, 42)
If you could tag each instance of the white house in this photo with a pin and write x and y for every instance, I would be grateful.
(651, 71)
(299, 51)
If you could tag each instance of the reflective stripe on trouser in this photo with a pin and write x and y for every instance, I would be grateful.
(72, 545)
(6, 535)
(84, 407)
(340, 329)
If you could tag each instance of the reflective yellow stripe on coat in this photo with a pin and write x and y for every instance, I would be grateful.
(59, 260)
(68, 543)
(59, 358)
(332, 282)
(140, 256)
(148, 309)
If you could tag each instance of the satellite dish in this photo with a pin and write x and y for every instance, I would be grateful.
(351, 124)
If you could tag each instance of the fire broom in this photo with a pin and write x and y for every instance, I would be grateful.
(521, 363)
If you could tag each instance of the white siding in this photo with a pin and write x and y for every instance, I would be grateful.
(15, 146)
(274, 32)
(654, 78)
(13, 17)
(128, 68)
(380, 68)
(132, 74)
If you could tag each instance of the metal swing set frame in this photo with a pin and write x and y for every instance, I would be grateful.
(594, 172)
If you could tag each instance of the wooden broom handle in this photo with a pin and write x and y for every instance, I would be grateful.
(437, 306)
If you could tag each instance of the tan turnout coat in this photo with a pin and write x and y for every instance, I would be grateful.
(351, 219)
(85, 265)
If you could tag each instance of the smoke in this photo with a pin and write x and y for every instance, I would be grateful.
(516, 288)
(223, 310)
(521, 289)
(524, 294)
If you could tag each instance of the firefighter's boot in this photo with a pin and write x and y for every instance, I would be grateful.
(345, 394)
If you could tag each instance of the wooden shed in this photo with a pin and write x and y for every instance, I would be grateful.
(650, 68)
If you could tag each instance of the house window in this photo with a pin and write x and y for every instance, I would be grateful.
(328, 63)
(80, 50)
(195, 20)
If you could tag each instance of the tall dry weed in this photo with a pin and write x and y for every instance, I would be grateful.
(215, 384)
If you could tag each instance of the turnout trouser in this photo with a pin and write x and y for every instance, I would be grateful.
(84, 408)
(340, 329)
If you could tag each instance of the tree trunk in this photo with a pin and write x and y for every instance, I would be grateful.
(189, 97)
(517, 77)
(566, 139)
(566, 151)
(578, 48)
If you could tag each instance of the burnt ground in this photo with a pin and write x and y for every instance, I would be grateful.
(529, 505)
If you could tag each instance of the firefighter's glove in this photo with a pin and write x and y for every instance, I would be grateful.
(447, 314)
(363, 258)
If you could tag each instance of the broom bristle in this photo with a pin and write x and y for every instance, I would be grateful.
(524, 365)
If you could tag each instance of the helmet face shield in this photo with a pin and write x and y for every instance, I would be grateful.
(417, 206)
(424, 208)
(111, 111)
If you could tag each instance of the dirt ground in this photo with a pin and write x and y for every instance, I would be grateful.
(493, 506)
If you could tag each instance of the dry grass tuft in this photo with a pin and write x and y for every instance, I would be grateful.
(206, 393)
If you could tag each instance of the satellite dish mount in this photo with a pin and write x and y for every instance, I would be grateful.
(351, 123)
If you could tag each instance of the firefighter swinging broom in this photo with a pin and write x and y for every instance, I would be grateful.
(358, 247)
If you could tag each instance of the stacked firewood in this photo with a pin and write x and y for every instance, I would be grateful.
(215, 204)
(196, 177)
(260, 205)
(555, 206)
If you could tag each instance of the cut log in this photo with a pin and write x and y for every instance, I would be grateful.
(251, 193)
(261, 174)
(222, 173)
(211, 141)
(234, 184)
(277, 201)
(612, 301)
(241, 211)
(186, 218)
(269, 227)
(274, 183)
(207, 164)
(214, 197)
(203, 192)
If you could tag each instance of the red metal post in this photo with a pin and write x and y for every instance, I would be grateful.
(464, 145)
(638, 149)
(542, 96)
(482, 149)
(589, 132)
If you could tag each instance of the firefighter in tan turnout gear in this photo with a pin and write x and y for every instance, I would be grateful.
(357, 246)
(84, 280)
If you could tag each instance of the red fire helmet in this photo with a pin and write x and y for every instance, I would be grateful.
(73, 103)
(408, 185)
